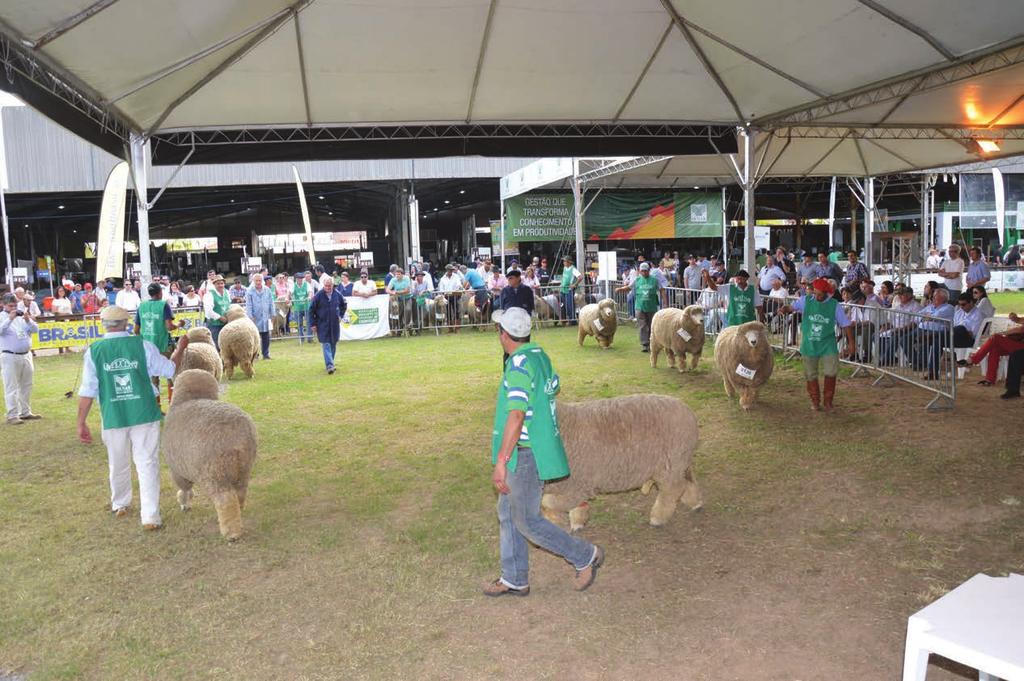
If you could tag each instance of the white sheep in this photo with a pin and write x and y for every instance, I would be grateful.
(239, 342)
(678, 332)
(622, 444)
(600, 321)
(746, 360)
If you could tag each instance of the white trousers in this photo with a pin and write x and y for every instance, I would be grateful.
(141, 444)
(17, 372)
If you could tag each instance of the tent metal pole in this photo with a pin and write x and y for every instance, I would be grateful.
(577, 195)
(869, 219)
(139, 147)
(832, 215)
(725, 234)
(748, 199)
(7, 237)
(924, 219)
(503, 266)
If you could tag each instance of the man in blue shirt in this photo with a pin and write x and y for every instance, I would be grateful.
(259, 305)
(475, 282)
(515, 294)
(925, 344)
(978, 273)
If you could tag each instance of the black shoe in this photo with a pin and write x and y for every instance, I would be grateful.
(1009, 395)
(330, 370)
(645, 349)
(962, 363)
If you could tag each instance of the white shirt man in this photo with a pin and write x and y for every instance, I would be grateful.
(365, 287)
(129, 299)
(26, 302)
(450, 283)
(768, 274)
(777, 290)
(951, 272)
(934, 260)
(16, 329)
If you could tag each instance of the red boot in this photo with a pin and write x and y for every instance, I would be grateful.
(830, 391)
(814, 391)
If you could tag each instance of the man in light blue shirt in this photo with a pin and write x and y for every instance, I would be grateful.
(16, 329)
(924, 346)
(978, 273)
(259, 305)
(967, 321)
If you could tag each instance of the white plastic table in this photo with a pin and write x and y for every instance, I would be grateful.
(980, 624)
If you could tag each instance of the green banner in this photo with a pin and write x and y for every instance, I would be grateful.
(698, 215)
(538, 217)
(615, 216)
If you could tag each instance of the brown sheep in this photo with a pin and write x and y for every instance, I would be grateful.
(279, 324)
(600, 321)
(239, 343)
(211, 444)
(746, 360)
(548, 308)
(678, 332)
(609, 447)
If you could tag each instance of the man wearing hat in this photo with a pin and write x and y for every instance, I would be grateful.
(821, 313)
(742, 301)
(526, 450)
(154, 321)
(215, 305)
(645, 289)
(16, 329)
(571, 278)
(451, 286)
(116, 370)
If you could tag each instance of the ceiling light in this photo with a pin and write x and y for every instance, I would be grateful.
(321, 197)
(60, 207)
(74, 231)
(987, 146)
(695, 187)
(232, 200)
(462, 191)
(330, 212)
(446, 201)
(435, 210)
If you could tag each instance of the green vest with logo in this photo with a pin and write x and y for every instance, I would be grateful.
(300, 297)
(126, 393)
(645, 293)
(151, 324)
(545, 438)
(817, 329)
(741, 306)
(221, 303)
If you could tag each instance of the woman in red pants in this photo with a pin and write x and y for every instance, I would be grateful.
(998, 345)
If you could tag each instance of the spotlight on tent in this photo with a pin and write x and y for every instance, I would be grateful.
(987, 146)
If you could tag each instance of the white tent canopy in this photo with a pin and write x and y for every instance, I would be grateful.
(841, 87)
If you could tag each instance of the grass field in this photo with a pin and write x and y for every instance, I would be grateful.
(1008, 301)
(370, 529)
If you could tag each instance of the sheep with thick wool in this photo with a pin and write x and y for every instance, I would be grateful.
(678, 333)
(211, 444)
(610, 449)
(201, 353)
(745, 358)
(600, 321)
(548, 308)
(239, 342)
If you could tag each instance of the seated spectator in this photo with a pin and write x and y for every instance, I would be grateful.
(530, 279)
(967, 321)
(885, 294)
(867, 287)
(995, 347)
(892, 335)
(862, 321)
(192, 299)
(982, 302)
(925, 344)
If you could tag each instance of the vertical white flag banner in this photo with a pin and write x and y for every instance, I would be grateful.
(832, 215)
(110, 237)
(1000, 196)
(305, 217)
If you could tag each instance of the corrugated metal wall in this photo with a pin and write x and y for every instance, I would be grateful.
(44, 157)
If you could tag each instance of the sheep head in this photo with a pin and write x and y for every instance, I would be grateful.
(199, 334)
(606, 309)
(694, 314)
(194, 384)
(235, 312)
(752, 341)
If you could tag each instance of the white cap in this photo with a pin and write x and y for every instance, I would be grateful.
(515, 320)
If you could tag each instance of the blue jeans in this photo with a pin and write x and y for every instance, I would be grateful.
(300, 325)
(569, 302)
(215, 332)
(631, 303)
(329, 349)
(265, 344)
(520, 521)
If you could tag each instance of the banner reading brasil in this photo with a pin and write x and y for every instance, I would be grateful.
(71, 333)
(615, 215)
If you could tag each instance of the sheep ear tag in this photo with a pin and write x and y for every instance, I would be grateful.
(686, 335)
(745, 372)
(598, 325)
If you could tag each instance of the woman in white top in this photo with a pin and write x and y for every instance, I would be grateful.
(192, 299)
(530, 279)
(982, 301)
(61, 304)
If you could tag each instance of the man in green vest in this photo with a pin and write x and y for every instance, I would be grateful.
(154, 321)
(818, 347)
(645, 299)
(301, 294)
(741, 301)
(116, 370)
(526, 450)
(216, 302)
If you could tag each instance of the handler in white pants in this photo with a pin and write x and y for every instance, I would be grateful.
(117, 371)
(16, 329)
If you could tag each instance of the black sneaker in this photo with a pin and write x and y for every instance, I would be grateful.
(644, 348)
(1009, 395)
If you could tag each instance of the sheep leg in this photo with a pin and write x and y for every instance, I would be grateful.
(246, 367)
(184, 491)
(555, 506)
(578, 517)
(729, 390)
(671, 357)
(665, 504)
(581, 335)
(240, 492)
(694, 358)
(747, 397)
(229, 514)
(681, 362)
(655, 351)
(692, 495)
(229, 369)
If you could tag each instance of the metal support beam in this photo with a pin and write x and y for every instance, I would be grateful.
(621, 166)
(139, 161)
(485, 39)
(910, 26)
(302, 70)
(71, 22)
(869, 221)
(749, 258)
(577, 202)
(643, 72)
(170, 179)
(1001, 56)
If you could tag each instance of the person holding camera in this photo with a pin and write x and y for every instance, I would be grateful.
(16, 329)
